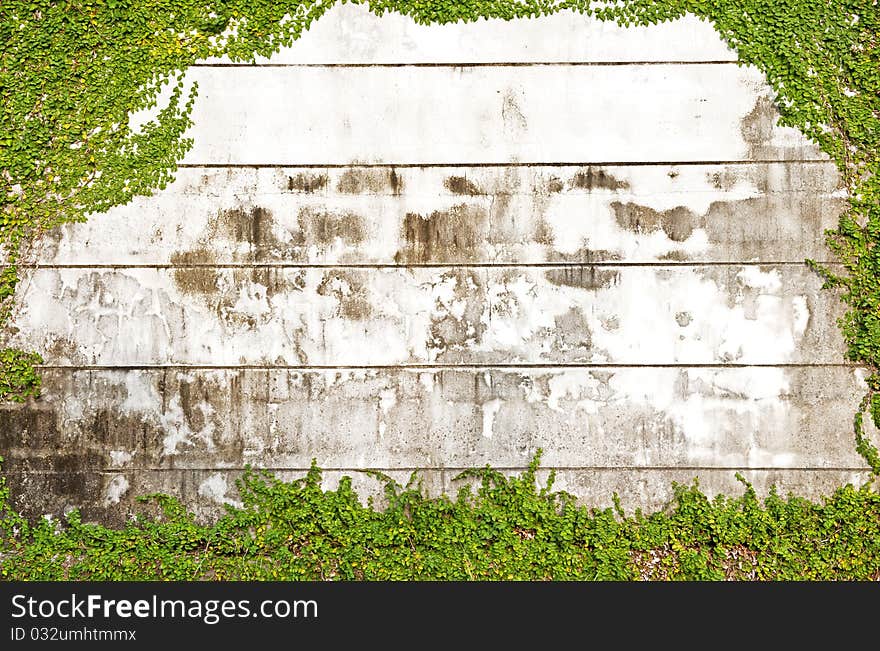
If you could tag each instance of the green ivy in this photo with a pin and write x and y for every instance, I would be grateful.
(18, 378)
(496, 528)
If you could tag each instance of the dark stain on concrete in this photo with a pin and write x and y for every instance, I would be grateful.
(191, 278)
(252, 226)
(191, 393)
(585, 277)
(58, 463)
(306, 182)
(584, 256)
(349, 289)
(54, 470)
(678, 223)
(554, 185)
(395, 182)
(221, 297)
(757, 126)
(511, 113)
(367, 180)
(454, 235)
(324, 227)
(675, 256)
(543, 233)
(250, 235)
(573, 336)
(741, 228)
(592, 178)
(462, 185)
(27, 428)
(62, 349)
(724, 179)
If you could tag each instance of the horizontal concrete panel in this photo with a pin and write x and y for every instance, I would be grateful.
(303, 116)
(110, 496)
(443, 418)
(388, 316)
(361, 215)
(351, 34)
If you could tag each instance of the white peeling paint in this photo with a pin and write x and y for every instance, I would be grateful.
(215, 489)
(801, 315)
(115, 490)
(756, 278)
(490, 410)
(141, 395)
(119, 458)
(427, 382)
(572, 384)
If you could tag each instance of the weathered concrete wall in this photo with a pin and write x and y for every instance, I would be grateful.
(405, 247)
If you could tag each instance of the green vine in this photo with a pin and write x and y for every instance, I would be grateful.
(18, 378)
(73, 72)
(509, 528)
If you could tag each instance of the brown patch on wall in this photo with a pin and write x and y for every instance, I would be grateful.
(454, 235)
(61, 349)
(727, 178)
(43, 245)
(26, 428)
(58, 463)
(543, 233)
(56, 470)
(219, 288)
(757, 127)
(585, 277)
(675, 256)
(190, 394)
(195, 279)
(592, 178)
(756, 227)
(573, 339)
(253, 227)
(323, 227)
(678, 223)
(350, 291)
(53, 492)
(461, 185)
(554, 185)
(511, 113)
(250, 234)
(584, 256)
(367, 180)
(765, 225)
(306, 182)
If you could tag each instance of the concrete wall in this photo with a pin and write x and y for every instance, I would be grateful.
(405, 247)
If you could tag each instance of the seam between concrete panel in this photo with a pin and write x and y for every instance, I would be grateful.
(304, 165)
(109, 470)
(467, 64)
(437, 265)
(420, 367)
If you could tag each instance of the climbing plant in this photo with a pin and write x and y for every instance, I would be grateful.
(496, 528)
(95, 110)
